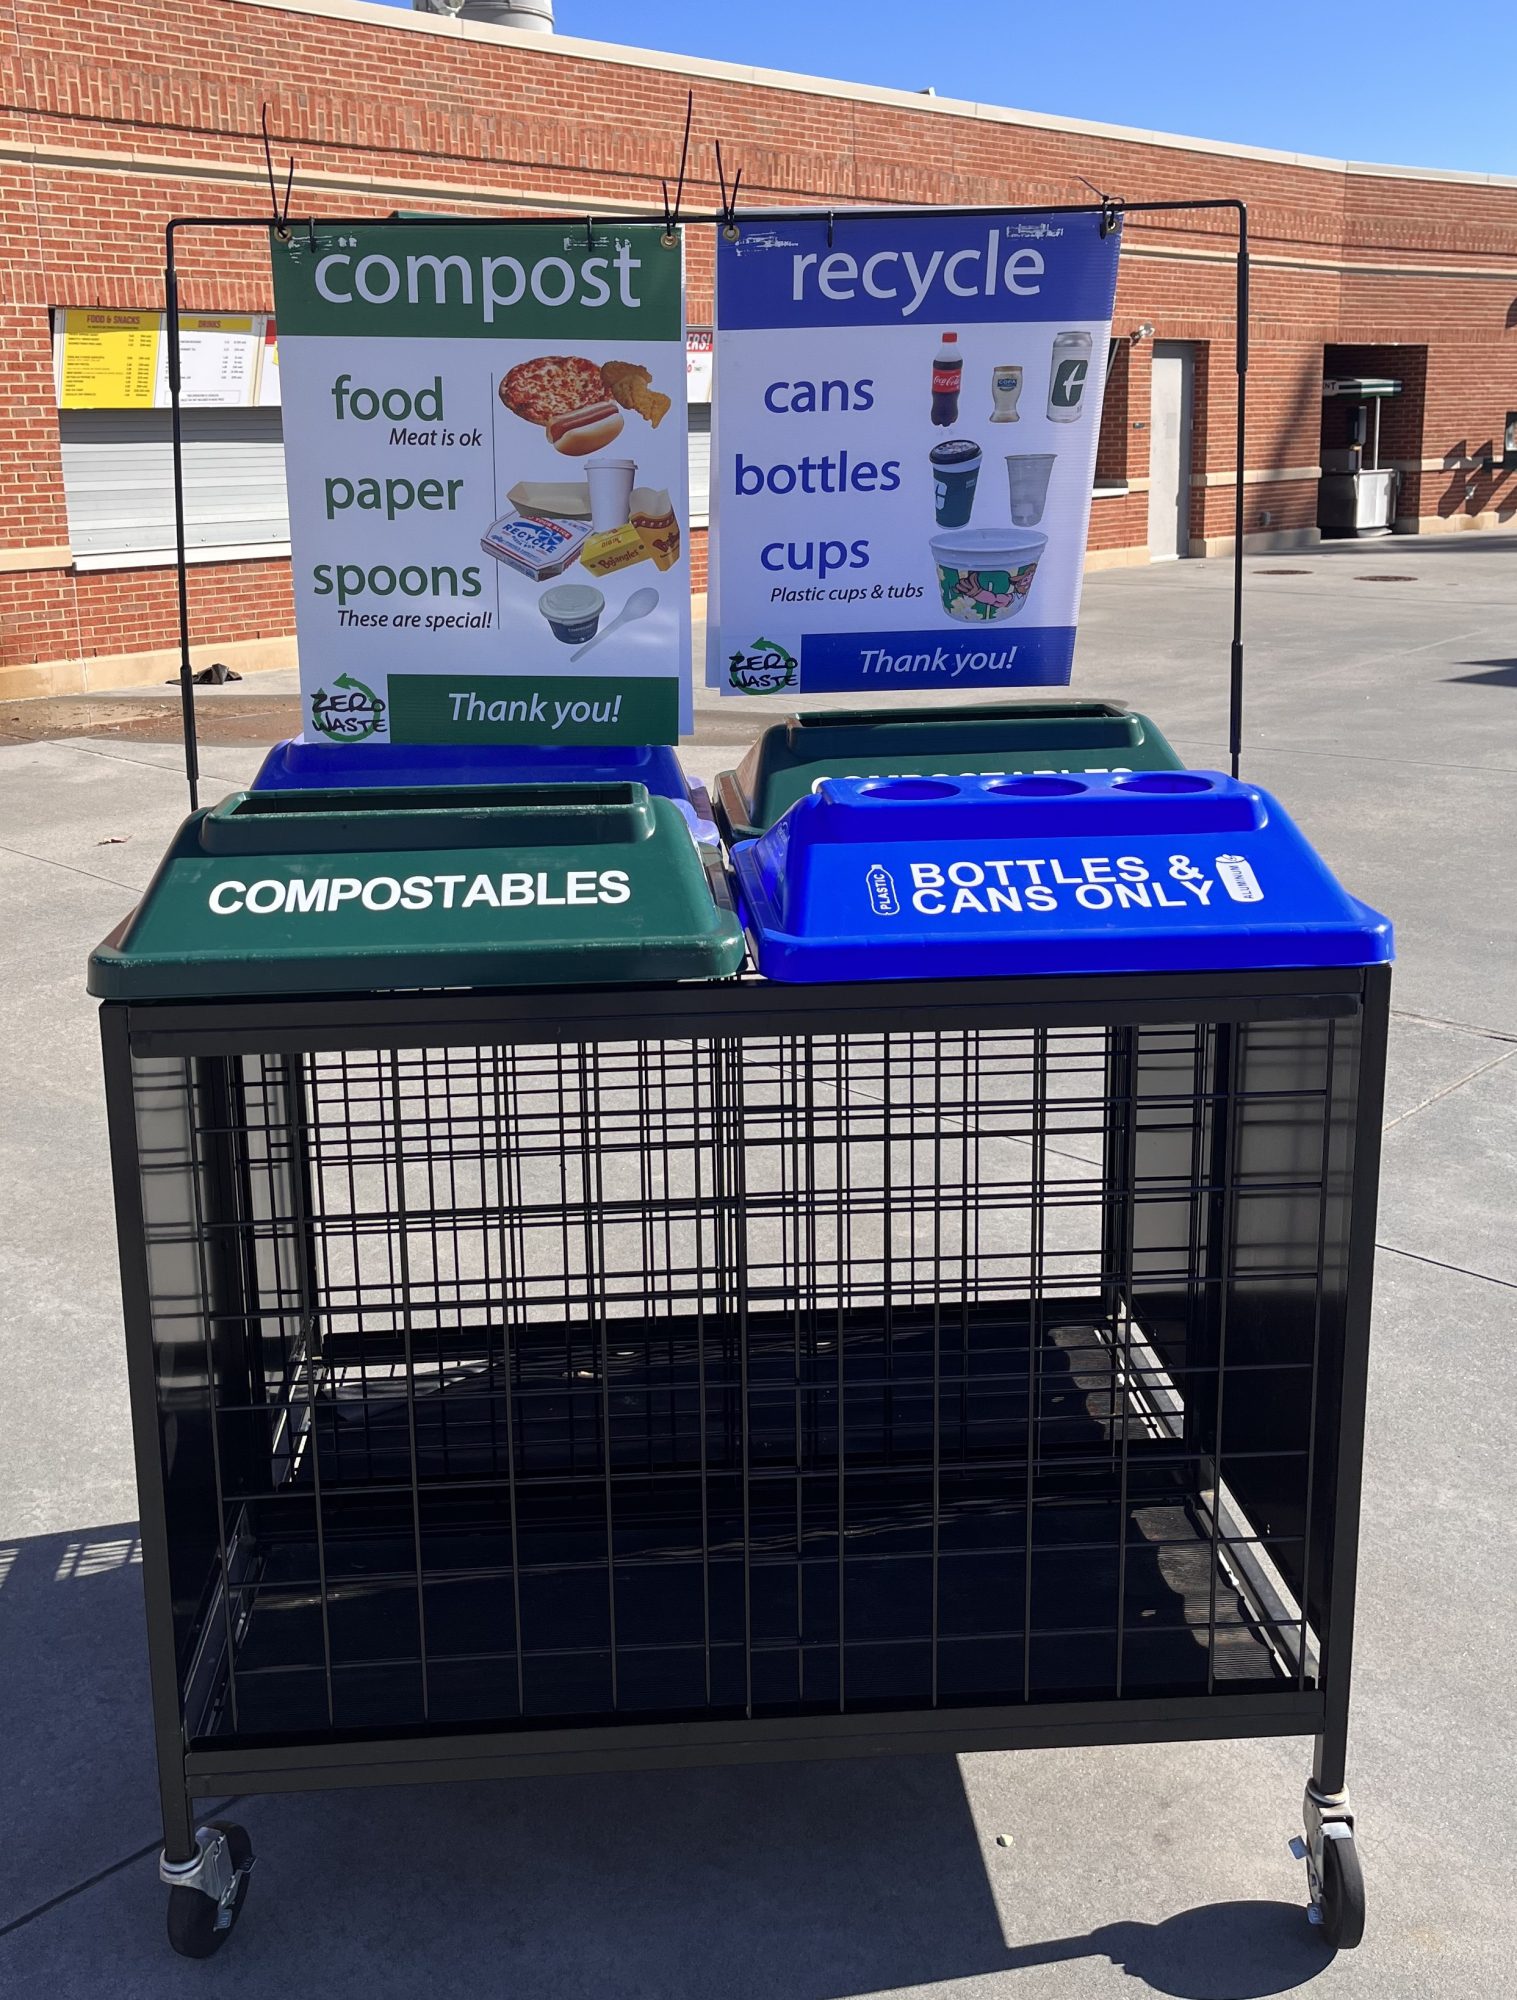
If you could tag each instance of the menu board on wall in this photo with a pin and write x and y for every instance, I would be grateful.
(218, 360)
(107, 360)
(268, 368)
(698, 346)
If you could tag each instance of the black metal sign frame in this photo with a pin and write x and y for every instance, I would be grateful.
(727, 220)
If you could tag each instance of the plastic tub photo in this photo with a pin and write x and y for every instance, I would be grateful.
(984, 574)
(573, 611)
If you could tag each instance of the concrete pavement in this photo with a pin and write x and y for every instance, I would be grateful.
(1385, 714)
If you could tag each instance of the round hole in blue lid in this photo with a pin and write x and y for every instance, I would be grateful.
(1037, 787)
(911, 788)
(1164, 781)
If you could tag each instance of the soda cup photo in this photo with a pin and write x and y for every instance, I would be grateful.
(1068, 371)
(1027, 473)
(955, 471)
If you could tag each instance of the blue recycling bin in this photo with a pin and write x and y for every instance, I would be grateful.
(967, 878)
(296, 766)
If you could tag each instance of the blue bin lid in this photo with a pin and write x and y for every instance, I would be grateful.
(297, 766)
(970, 878)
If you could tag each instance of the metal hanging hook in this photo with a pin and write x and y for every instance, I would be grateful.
(279, 212)
(730, 230)
(1111, 206)
(672, 215)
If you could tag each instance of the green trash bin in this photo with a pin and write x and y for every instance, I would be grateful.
(363, 891)
(785, 762)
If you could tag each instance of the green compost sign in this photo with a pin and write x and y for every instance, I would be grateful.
(485, 448)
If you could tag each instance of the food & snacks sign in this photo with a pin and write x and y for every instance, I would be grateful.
(485, 445)
(904, 449)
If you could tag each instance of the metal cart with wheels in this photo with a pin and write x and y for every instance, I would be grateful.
(626, 1376)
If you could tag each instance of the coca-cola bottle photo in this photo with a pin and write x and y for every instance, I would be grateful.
(947, 372)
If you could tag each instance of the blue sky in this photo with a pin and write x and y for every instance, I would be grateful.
(1414, 85)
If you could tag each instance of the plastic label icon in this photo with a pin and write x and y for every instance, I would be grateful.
(882, 896)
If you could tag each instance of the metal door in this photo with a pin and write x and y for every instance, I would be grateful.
(1169, 451)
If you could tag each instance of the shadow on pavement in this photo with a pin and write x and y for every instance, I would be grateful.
(1484, 541)
(807, 1881)
(799, 1880)
(1495, 673)
(1221, 1951)
(79, 1789)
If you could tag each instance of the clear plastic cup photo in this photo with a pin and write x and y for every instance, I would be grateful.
(1028, 473)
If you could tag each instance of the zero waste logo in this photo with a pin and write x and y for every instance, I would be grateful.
(764, 668)
(350, 713)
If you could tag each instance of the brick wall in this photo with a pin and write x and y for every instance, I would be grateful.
(119, 117)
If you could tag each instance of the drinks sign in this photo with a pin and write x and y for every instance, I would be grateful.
(904, 450)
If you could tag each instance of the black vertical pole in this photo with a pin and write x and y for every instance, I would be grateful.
(186, 676)
(1235, 700)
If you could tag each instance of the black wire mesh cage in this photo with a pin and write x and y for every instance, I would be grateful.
(784, 1368)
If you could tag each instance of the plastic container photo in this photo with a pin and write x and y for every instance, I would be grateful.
(985, 574)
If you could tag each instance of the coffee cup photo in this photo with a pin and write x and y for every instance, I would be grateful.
(611, 481)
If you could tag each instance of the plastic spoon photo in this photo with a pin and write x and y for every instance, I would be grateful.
(638, 605)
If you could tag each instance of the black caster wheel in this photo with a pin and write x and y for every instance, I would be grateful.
(199, 1922)
(1334, 1879)
(1342, 1900)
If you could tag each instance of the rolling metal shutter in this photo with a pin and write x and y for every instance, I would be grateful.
(118, 483)
(700, 464)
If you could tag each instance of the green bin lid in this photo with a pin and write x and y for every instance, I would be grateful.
(785, 762)
(373, 890)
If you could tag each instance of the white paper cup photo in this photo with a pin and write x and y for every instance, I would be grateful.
(985, 574)
(611, 481)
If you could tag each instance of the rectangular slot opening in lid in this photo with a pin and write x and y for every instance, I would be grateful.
(334, 821)
(1017, 711)
(429, 799)
(999, 736)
